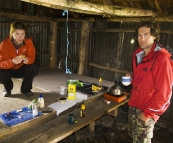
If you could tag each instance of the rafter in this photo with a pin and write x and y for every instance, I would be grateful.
(163, 7)
(51, 19)
(158, 7)
(151, 4)
(92, 8)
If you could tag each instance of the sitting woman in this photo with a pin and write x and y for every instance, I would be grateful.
(17, 57)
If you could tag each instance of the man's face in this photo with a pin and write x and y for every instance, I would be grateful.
(145, 40)
(19, 36)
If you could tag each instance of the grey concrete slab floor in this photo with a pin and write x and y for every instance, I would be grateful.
(51, 80)
(46, 82)
(17, 99)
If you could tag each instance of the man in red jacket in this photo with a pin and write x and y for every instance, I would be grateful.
(151, 85)
(17, 57)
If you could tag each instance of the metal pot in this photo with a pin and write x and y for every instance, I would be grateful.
(116, 89)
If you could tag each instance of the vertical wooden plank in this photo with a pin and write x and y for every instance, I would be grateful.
(53, 44)
(24, 7)
(119, 53)
(84, 43)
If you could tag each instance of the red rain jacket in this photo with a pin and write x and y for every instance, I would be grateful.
(8, 52)
(152, 81)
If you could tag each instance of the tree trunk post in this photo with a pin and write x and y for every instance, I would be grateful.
(84, 43)
(53, 45)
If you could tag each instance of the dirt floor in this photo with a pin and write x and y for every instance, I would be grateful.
(116, 133)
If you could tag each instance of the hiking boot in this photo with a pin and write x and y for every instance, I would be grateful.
(6, 94)
(28, 94)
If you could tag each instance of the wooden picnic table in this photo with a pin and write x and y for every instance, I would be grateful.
(58, 128)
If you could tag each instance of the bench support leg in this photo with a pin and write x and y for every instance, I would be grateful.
(91, 126)
(114, 112)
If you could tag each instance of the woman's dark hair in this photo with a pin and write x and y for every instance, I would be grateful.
(16, 25)
(154, 28)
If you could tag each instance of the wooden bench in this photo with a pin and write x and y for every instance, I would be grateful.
(58, 128)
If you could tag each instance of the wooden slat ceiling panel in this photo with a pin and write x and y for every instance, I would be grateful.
(108, 2)
(151, 4)
(138, 5)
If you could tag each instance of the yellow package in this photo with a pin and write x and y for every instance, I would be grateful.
(72, 91)
(96, 88)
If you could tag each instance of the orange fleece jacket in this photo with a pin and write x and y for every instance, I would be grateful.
(8, 52)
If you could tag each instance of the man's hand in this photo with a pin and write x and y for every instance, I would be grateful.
(142, 117)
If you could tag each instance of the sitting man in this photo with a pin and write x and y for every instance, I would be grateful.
(17, 57)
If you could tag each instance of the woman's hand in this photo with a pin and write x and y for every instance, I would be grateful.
(25, 60)
(17, 60)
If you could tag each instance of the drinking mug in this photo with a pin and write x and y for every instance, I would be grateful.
(126, 80)
(72, 119)
(62, 90)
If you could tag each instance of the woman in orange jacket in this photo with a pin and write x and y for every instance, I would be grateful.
(17, 57)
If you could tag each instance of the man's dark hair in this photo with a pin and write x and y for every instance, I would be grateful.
(154, 28)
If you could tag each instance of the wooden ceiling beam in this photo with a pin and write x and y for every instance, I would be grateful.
(75, 14)
(51, 19)
(92, 8)
(129, 0)
(39, 18)
(131, 19)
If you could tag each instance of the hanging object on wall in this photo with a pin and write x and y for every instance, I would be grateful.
(67, 70)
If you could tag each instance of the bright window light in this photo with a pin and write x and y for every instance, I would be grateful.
(132, 41)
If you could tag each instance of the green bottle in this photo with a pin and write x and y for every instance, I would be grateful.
(33, 101)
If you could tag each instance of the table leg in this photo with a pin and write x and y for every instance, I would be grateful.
(113, 113)
(91, 126)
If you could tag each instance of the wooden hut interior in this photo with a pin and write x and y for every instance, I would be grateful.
(94, 38)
